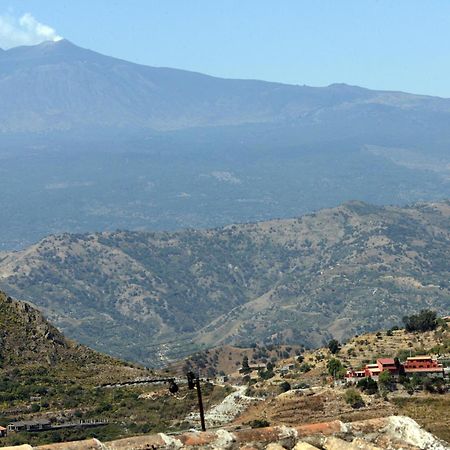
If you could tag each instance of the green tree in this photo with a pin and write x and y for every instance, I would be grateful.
(368, 385)
(245, 366)
(385, 377)
(335, 368)
(385, 381)
(334, 346)
(426, 320)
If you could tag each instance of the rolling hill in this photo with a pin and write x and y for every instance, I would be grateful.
(155, 296)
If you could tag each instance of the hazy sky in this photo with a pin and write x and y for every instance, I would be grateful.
(384, 44)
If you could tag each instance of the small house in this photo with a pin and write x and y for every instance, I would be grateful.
(423, 366)
(222, 379)
(29, 425)
(353, 376)
(388, 364)
(372, 371)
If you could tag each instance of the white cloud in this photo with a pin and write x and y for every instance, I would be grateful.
(24, 31)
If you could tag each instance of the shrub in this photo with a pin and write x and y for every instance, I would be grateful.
(302, 385)
(284, 387)
(368, 385)
(334, 346)
(258, 423)
(353, 398)
(35, 408)
(305, 367)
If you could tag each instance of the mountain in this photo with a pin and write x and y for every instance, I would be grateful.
(59, 86)
(27, 338)
(93, 143)
(337, 272)
(29, 342)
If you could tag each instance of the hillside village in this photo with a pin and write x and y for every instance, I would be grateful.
(405, 369)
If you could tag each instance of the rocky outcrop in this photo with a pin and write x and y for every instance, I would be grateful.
(393, 433)
(229, 408)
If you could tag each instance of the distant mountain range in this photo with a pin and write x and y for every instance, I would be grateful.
(59, 86)
(153, 296)
(93, 143)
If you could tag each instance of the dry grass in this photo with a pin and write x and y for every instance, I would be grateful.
(295, 407)
(430, 411)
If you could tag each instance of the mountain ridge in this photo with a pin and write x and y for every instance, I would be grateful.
(71, 87)
(89, 142)
(334, 273)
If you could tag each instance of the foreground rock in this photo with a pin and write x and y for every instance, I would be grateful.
(394, 433)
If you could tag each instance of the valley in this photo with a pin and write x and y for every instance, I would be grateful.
(49, 380)
(155, 297)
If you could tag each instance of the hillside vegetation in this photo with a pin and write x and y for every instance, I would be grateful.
(28, 341)
(336, 273)
(45, 376)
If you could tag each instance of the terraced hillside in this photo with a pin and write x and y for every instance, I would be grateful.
(336, 273)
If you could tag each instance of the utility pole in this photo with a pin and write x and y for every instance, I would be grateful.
(194, 381)
(200, 403)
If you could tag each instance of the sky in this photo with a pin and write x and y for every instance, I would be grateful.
(379, 44)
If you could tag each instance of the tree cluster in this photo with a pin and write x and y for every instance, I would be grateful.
(334, 346)
(426, 320)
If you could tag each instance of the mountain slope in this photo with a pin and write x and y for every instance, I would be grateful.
(28, 342)
(335, 273)
(89, 142)
(59, 86)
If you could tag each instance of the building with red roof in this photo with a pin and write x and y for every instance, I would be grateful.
(423, 366)
(420, 365)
